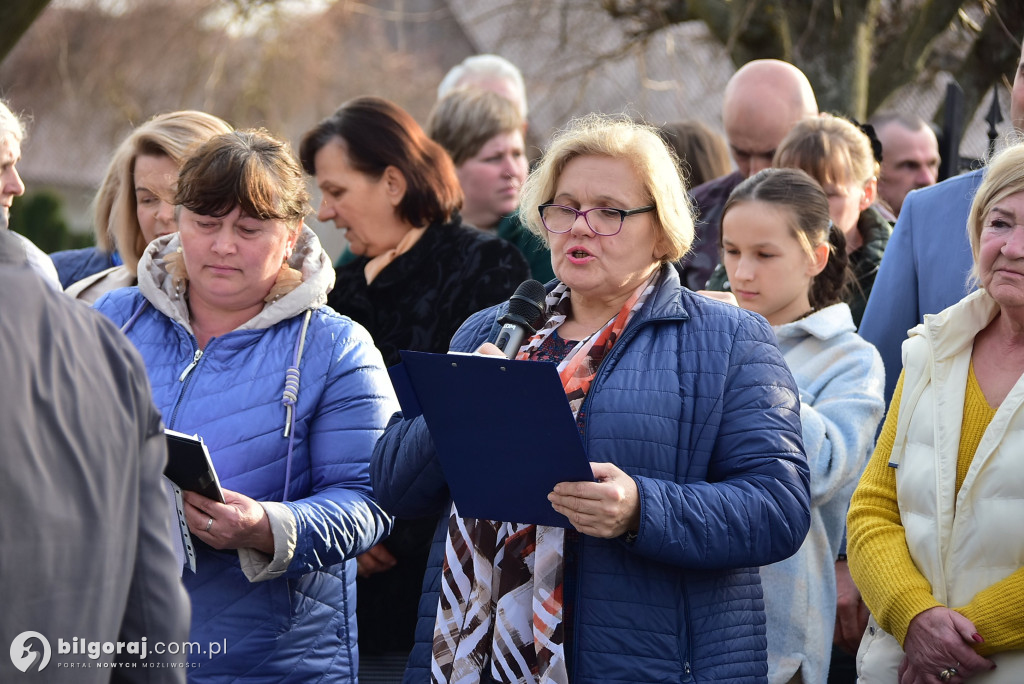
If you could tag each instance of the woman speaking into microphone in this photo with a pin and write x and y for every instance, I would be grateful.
(690, 420)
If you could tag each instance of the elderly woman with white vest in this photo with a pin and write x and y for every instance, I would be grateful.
(935, 541)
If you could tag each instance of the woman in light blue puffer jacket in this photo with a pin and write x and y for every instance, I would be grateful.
(289, 397)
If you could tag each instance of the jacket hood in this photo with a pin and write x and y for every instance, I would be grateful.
(308, 257)
(824, 324)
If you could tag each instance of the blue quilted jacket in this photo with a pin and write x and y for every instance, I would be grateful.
(74, 264)
(298, 625)
(697, 404)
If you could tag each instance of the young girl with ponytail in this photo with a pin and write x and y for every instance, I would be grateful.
(787, 261)
(838, 155)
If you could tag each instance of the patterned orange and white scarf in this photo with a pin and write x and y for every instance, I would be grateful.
(501, 593)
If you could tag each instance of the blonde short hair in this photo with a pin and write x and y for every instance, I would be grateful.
(1004, 177)
(170, 135)
(619, 138)
(830, 149)
(464, 120)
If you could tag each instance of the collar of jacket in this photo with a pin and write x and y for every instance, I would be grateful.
(308, 256)
(951, 331)
(665, 303)
(940, 338)
(824, 324)
(875, 231)
(11, 250)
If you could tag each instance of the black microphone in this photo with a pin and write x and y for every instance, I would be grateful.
(525, 314)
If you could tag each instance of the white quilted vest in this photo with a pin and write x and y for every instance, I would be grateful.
(964, 545)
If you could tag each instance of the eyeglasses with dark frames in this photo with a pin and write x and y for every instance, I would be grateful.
(606, 221)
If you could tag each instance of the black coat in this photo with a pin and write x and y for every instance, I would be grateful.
(421, 298)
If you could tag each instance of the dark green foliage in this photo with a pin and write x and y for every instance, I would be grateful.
(39, 216)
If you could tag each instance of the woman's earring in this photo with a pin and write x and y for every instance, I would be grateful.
(287, 280)
(174, 263)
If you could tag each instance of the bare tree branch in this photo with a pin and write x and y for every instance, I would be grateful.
(758, 30)
(646, 17)
(714, 13)
(833, 47)
(18, 16)
(853, 63)
(901, 60)
(994, 55)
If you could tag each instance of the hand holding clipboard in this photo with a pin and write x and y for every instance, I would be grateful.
(503, 430)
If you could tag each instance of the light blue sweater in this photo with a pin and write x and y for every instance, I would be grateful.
(841, 381)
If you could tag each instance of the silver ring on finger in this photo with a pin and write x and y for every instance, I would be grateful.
(209, 524)
(948, 674)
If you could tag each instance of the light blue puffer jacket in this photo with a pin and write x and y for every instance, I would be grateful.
(298, 625)
(696, 403)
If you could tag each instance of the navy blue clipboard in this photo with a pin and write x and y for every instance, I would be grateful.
(503, 431)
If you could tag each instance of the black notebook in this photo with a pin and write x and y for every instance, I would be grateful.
(189, 465)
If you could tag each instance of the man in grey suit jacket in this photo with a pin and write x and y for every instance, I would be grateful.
(90, 584)
(924, 269)
(928, 259)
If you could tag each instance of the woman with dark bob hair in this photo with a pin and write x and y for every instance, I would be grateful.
(418, 274)
(690, 420)
(289, 397)
(394, 192)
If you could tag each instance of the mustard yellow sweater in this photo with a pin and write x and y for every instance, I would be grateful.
(893, 588)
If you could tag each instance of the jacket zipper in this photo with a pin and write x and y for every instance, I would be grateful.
(185, 378)
(687, 672)
(628, 334)
(188, 369)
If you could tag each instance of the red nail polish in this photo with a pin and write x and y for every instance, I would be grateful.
(977, 637)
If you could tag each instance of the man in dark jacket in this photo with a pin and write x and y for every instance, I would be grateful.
(762, 101)
(91, 587)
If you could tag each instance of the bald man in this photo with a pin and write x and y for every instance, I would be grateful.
(762, 102)
(910, 157)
